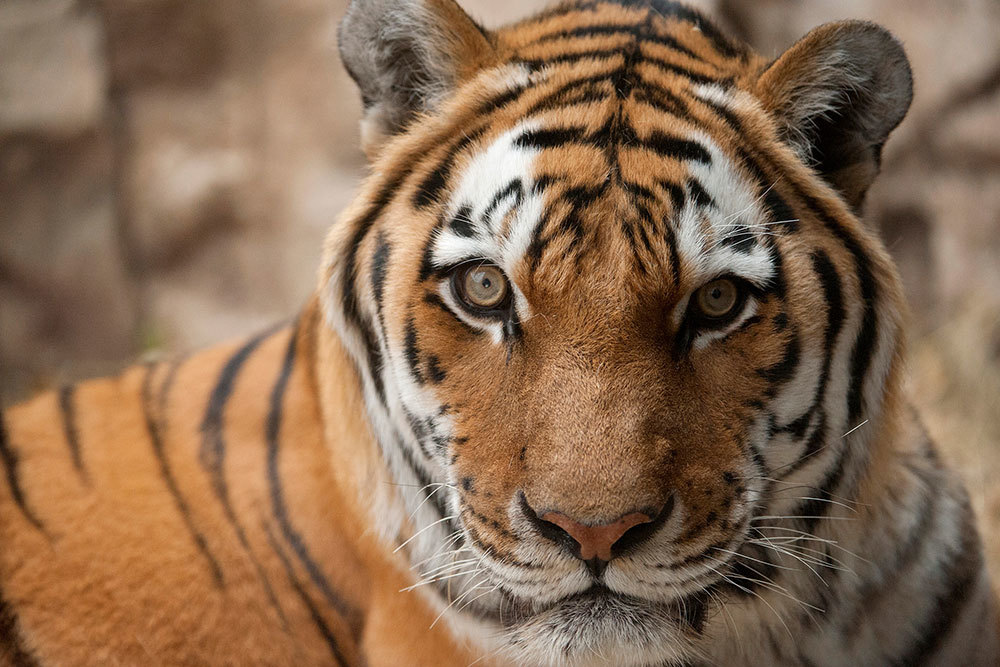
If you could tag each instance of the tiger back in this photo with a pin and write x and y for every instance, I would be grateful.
(602, 368)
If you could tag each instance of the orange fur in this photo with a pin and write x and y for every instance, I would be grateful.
(223, 508)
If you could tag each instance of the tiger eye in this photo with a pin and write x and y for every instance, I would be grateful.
(484, 286)
(718, 298)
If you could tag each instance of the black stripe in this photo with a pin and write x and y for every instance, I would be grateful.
(212, 454)
(719, 41)
(835, 315)
(349, 296)
(380, 267)
(662, 100)
(435, 371)
(698, 194)
(429, 190)
(741, 239)
(317, 618)
(153, 428)
(291, 535)
(683, 72)
(513, 189)
(562, 58)
(677, 194)
(10, 459)
(903, 558)
(784, 370)
(544, 138)
(670, 43)
(960, 575)
(554, 98)
(411, 351)
(864, 344)
(425, 482)
(461, 222)
(638, 191)
(11, 642)
(70, 431)
(779, 210)
(674, 147)
(817, 508)
(427, 267)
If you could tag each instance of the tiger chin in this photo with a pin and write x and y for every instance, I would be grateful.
(602, 368)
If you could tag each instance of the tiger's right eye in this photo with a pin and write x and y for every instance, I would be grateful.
(481, 286)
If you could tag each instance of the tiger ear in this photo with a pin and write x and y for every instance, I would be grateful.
(837, 94)
(406, 56)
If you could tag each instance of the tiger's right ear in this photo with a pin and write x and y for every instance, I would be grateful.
(406, 56)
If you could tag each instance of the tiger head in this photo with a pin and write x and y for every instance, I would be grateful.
(608, 297)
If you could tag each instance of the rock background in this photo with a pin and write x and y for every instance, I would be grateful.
(168, 169)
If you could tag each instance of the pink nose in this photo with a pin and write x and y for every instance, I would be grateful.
(596, 541)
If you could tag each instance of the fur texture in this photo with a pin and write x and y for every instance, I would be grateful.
(367, 486)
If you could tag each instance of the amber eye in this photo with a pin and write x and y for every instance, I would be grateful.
(481, 286)
(718, 299)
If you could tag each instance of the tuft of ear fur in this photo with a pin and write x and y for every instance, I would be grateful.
(837, 94)
(406, 56)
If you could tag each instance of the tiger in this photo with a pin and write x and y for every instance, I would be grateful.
(602, 368)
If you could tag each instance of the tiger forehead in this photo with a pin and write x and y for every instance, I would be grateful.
(610, 26)
(665, 205)
(599, 146)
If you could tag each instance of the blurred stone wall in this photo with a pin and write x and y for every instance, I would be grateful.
(168, 169)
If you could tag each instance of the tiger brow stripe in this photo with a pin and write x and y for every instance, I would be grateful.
(67, 409)
(279, 508)
(213, 451)
(317, 618)
(10, 459)
(166, 472)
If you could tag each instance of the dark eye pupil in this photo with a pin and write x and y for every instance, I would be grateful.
(716, 293)
(486, 283)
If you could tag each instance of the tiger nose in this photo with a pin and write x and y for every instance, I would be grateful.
(593, 543)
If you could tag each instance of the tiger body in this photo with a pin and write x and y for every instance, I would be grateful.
(179, 540)
(402, 478)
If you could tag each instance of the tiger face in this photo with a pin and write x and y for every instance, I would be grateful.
(607, 296)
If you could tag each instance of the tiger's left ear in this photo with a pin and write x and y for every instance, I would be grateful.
(406, 56)
(837, 94)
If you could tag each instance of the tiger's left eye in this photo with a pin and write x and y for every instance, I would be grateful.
(718, 299)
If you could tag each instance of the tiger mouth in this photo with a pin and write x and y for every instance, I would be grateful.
(601, 604)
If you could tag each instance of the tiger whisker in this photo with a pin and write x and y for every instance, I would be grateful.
(809, 537)
(755, 560)
(802, 516)
(821, 558)
(756, 595)
(444, 577)
(793, 485)
(440, 485)
(425, 528)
